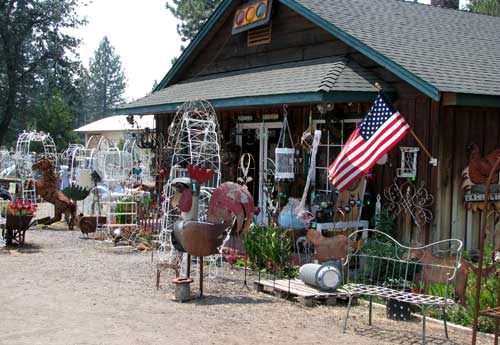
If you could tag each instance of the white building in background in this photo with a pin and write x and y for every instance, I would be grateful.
(116, 127)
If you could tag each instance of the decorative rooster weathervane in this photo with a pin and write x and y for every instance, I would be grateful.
(231, 207)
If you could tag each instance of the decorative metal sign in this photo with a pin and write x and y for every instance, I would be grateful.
(410, 199)
(251, 15)
(480, 197)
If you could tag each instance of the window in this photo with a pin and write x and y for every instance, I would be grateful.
(333, 137)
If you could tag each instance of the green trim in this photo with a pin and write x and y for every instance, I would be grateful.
(267, 100)
(366, 50)
(349, 96)
(478, 100)
(200, 36)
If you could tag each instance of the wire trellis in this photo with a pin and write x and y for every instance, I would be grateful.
(194, 139)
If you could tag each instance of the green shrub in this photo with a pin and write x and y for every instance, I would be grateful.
(268, 249)
(374, 265)
(488, 299)
(385, 222)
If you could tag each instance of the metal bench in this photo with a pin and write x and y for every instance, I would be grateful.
(386, 269)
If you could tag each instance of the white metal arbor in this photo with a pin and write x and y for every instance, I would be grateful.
(105, 159)
(76, 159)
(193, 139)
(136, 163)
(26, 155)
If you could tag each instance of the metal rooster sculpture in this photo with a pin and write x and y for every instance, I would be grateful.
(479, 167)
(230, 204)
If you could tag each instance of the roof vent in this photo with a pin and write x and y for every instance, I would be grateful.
(446, 3)
(259, 36)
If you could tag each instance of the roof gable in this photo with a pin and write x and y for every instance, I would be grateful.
(433, 49)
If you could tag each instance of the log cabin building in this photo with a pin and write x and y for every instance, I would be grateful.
(439, 65)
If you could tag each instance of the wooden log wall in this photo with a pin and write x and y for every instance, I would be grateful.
(445, 130)
(293, 38)
(458, 127)
(422, 114)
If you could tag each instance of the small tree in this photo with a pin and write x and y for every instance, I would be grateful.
(107, 78)
(491, 7)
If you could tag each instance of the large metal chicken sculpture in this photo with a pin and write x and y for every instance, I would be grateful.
(479, 167)
(231, 207)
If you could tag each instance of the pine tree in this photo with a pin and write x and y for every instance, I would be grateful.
(491, 7)
(33, 36)
(107, 78)
(54, 116)
(192, 14)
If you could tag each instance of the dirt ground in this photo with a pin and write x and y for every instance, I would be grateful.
(60, 289)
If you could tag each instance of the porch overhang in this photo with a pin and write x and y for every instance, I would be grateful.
(332, 79)
(256, 101)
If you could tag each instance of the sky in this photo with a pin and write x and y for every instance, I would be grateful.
(144, 35)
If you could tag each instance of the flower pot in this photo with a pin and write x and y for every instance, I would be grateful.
(18, 222)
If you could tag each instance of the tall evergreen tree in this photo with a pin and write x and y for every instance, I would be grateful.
(107, 79)
(33, 35)
(54, 116)
(491, 7)
(192, 14)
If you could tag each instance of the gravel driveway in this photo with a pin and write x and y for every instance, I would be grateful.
(60, 289)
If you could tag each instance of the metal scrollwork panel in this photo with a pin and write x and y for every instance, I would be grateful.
(410, 199)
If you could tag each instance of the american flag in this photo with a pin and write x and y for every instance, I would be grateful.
(376, 135)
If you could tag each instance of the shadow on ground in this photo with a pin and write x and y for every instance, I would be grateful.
(26, 248)
(220, 300)
(392, 336)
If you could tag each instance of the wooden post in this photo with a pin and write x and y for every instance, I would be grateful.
(482, 237)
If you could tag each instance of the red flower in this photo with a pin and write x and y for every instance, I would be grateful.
(245, 259)
(269, 263)
(295, 261)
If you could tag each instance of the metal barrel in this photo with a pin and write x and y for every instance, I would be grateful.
(325, 277)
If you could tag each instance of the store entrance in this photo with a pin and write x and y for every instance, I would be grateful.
(259, 141)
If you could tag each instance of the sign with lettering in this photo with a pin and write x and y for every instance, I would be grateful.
(480, 197)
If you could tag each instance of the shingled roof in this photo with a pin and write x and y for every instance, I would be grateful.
(454, 51)
(433, 49)
(332, 74)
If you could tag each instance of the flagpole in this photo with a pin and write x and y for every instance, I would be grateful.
(433, 161)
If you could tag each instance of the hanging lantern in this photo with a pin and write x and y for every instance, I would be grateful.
(284, 156)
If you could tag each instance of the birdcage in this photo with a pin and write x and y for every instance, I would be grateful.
(30, 147)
